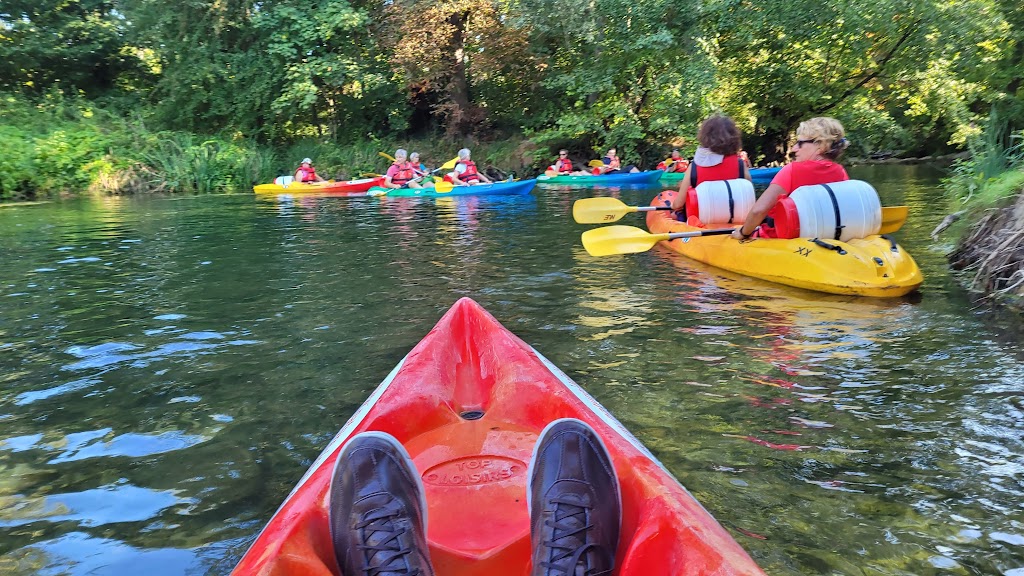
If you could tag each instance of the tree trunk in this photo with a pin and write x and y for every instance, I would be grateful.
(459, 123)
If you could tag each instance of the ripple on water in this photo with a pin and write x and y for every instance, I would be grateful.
(104, 505)
(83, 445)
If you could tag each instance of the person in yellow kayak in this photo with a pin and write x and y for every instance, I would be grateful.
(717, 157)
(306, 172)
(465, 172)
(819, 143)
(612, 164)
(401, 173)
(674, 163)
(377, 508)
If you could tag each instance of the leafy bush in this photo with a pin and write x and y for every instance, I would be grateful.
(994, 152)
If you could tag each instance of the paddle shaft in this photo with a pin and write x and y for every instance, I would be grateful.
(715, 232)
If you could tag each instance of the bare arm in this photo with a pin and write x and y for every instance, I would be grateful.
(680, 200)
(762, 206)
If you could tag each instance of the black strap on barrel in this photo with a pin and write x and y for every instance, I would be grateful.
(693, 175)
(728, 189)
(835, 208)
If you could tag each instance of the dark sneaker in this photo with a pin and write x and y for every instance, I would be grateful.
(377, 509)
(574, 502)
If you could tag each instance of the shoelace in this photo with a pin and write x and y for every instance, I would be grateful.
(566, 558)
(377, 522)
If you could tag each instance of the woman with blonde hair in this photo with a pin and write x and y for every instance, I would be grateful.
(819, 143)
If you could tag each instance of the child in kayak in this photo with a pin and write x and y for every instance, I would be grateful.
(377, 507)
(819, 143)
(717, 158)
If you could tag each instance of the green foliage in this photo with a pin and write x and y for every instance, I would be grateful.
(104, 78)
(15, 163)
(993, 170)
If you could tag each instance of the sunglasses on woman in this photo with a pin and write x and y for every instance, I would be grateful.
(800, 143)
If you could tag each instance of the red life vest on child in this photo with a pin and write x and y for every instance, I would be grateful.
(306, 174)
(470, 175)
(729, 168)
(404, 174)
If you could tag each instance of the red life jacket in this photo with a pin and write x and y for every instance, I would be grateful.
(470, 175)
(306, 175)
(729, 168)
(404, 174)
(564, 165)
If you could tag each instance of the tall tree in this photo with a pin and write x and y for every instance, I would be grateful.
(457, 58)
(624, 73)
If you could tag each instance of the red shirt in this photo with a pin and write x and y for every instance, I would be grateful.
(808, 173)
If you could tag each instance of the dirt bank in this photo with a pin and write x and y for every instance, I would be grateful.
(991, 254)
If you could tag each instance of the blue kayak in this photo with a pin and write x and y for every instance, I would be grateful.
(649, 178)
(517, 188)
(757, 176)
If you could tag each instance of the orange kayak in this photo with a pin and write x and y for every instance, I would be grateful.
(468, 403)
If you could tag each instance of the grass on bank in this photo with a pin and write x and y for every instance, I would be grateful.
(67, 147)
(988, 188)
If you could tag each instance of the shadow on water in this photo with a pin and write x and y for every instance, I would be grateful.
(170, 367)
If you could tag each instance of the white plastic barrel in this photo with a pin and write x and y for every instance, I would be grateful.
(283, 180)
(726, 201)
(859, 210)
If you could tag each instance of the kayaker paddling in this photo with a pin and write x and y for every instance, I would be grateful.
(378, 509)
(306, 172)
(401, 173)
(465, 172)
(674, 163)
(612, 165)
(819, 143)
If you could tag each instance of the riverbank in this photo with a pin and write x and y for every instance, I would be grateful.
(990, 252)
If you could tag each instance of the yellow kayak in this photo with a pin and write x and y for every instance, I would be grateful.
(873, 266)
(347, 187)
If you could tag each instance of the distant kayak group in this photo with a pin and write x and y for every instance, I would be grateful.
(816, 228)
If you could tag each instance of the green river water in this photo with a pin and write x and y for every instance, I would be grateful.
(169, 367)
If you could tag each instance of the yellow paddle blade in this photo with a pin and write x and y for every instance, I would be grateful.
(595, 163)
(599, 210)
(369, 175)
(386, 155)
(449, 164)
(442, 187)
(619, 240)
(893, 218)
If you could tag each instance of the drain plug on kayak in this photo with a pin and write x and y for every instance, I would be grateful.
(472, 415)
